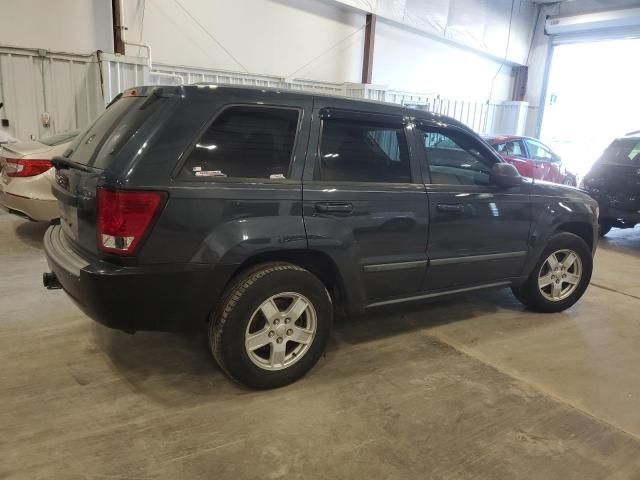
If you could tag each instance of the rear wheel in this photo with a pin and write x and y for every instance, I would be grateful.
(560, 277)
(272, 325)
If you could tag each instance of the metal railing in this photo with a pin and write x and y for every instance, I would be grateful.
(74, 89)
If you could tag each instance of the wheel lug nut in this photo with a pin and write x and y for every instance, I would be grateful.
(271, 334)
(287, 320)
(279, 340)
(276, 321)
(290, 332)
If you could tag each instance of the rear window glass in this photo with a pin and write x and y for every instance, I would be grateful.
(96, 145)
(59, 139)
(624, 151)
(245, 142)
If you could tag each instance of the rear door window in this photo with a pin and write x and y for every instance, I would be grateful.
(512, 148)
(245, 142)
(363, 151)
(538, 151)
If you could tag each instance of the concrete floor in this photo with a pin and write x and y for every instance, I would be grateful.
(471, 387)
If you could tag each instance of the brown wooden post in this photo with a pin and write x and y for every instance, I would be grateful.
(369, 38)
(118, 43)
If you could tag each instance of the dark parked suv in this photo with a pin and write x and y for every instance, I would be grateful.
(257, 211)
(614, 181)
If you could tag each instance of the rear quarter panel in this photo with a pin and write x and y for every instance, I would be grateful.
(211, 221)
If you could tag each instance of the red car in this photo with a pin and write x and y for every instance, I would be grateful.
(532, 158)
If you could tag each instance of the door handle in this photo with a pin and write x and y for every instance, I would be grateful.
(334, 208)
(450, 207)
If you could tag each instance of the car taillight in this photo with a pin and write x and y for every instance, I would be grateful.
(125, 218)
(19, 167)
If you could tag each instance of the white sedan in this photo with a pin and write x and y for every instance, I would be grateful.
(26, 176)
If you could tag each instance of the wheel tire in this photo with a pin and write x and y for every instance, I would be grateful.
(229, 325)
(604, 229)
(529, 293)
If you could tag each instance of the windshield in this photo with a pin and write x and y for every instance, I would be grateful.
(623, 151)
(55, 140)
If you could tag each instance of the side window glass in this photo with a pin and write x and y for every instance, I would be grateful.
(361, 151)
(623, 151)
(538, 151)
(455, 159)
(513, 149)
(634, 155)
(245, 142)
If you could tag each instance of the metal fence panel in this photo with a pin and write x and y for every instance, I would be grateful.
(34, 82)
(74, 89)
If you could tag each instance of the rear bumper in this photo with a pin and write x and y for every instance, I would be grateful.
(618, 216)
(621, 211)
(162, 297)
(29, 197)
(37, 210)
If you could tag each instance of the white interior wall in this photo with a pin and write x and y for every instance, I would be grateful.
(294, 39)
(310, 39)
(411, 61)
(76, 26)
(274, 37)
(480, 25)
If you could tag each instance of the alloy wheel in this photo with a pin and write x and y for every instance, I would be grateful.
(560, 275)
(280, 331)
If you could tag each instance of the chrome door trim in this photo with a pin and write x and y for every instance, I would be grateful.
(475, 258)
(385, 267)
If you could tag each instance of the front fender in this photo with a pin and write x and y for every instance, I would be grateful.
(552, 215)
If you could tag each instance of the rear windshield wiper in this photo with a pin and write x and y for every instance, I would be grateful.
(62, 163)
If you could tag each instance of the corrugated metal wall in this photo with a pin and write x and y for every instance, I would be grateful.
(74, 90)
(33, 82)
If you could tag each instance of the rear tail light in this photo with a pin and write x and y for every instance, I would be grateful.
(19, 167)
(125, 218)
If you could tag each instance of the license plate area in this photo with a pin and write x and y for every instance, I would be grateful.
(69, 220)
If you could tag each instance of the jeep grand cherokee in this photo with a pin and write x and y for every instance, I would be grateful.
(255, 212)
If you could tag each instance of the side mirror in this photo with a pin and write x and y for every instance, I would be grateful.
(505, 175)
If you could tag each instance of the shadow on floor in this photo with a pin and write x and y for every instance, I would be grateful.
(31, 233)
(172, 367)
(402, 319)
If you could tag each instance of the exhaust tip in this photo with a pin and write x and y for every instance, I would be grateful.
(50, 281)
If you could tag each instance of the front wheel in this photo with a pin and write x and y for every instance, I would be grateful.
(271, 326)
(560, 277)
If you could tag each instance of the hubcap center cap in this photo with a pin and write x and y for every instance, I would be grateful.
(281, 330)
